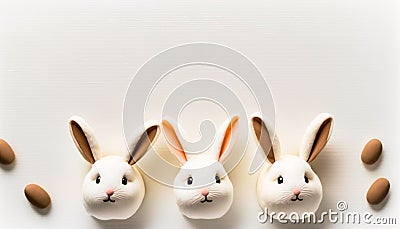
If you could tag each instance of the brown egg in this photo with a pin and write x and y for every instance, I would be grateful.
(378, 191)
(7, 155)
(371, 152)
(37, 196)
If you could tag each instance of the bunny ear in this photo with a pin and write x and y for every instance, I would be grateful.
(142, 143)
(228, 135)
(84, 139)
(316, 136)
(263, 135)
(173, 142)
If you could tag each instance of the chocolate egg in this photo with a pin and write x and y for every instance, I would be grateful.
(371, 152)
(7, 155)
(378, 191)
(37, 196)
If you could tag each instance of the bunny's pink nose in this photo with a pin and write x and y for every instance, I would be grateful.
(204, 191)
(109, 192)
(296, 191)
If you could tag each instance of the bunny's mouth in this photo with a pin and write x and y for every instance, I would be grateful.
(205, 200)
(109, 200)
(297, 198)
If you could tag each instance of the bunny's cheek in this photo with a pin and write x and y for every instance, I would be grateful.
(275, 200)
(191, 202)
(206, 210)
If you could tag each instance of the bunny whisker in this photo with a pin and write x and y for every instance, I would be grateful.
(196, 201)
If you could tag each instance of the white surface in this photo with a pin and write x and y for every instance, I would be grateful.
(60, 58)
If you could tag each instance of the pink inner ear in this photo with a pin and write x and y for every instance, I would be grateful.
(173, 142)
(228, 137)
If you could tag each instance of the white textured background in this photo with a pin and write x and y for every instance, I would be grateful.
(60, 58)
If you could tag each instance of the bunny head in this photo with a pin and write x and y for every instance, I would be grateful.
(287, 183)
(202, 187)
(113, 188)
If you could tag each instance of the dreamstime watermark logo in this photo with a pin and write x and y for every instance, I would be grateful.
(340, 215)
(147, 97)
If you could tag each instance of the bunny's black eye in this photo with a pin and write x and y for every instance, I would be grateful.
(98, 179)
(280, 180)
(217, 179)
(190, 180)
(124, 181)
(306, 179)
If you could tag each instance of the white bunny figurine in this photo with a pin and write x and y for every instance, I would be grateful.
(202, 187)
(113, 188)
(286, 182)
